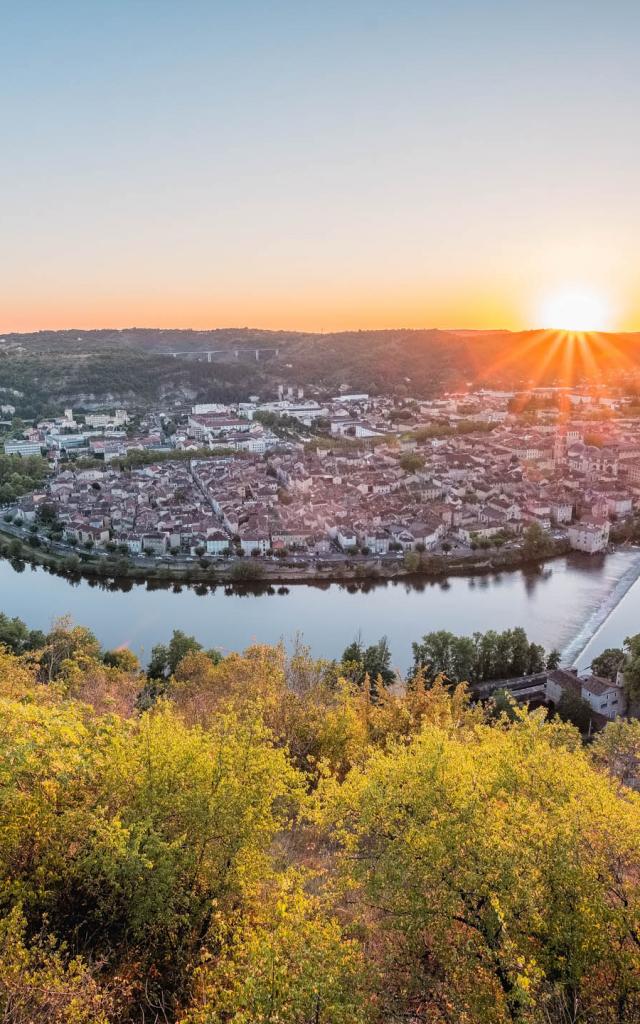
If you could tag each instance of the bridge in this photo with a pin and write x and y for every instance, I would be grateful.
(237, 352)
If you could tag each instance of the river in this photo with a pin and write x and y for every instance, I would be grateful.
(577, 604)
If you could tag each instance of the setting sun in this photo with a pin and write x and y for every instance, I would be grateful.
(575, 309)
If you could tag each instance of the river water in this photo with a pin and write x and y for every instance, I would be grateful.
(578, 604)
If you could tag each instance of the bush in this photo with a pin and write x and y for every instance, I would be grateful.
(247, 571)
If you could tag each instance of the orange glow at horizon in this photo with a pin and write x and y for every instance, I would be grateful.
(574, 356)
(167, 297)
(304, 310)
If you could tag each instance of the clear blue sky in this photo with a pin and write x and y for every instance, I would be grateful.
(316, 164)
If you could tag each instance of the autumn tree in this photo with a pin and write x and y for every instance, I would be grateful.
(288, 960)
(68, 648)
(123, 658)
(496, 876)
(126, 835)
(617, 749)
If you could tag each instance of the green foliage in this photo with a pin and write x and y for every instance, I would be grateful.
(287, 962)
(617, 748)
(448, 430)
(536, 542)
(575, 709)
(282, 424)
(411, 561)
(122, 658)
(165, 659)
(39, 981)
(358, 662)
(47, 516)
(20, 475)
(164, 823)
(608, 663)
(479, 658)
(411, 462)
(68, 648)
(632, 667)
(246, 571)
(503, 703)
(17, 637)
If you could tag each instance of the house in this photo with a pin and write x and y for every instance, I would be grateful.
(155, 543)
(217, 543)
(377, 541)
(293, 538)
(26, 511)
(346, 538)
(619, 504)
(92, 534)
(477, 530)
(589, 535)
(606, 698)
(403, 536)
(255, 541)
(427, 533)
(561, 510)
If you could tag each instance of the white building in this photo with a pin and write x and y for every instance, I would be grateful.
(250, 542)
(604, 697)
(22, 448)
(104, 420)
(208, 407)
(589, 535)
(217, 544)
(346, 538)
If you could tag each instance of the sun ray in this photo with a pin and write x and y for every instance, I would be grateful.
(516, 355)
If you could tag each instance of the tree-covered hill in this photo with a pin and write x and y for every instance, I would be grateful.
(137, 365)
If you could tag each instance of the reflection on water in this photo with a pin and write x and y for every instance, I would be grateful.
(561, 605)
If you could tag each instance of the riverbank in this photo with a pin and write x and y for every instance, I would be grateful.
(65, 560)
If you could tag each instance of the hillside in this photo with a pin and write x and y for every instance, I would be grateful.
(140, 366)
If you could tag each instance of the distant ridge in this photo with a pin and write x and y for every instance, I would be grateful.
(139, 366)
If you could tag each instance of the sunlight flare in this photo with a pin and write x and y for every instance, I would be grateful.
(575, 309)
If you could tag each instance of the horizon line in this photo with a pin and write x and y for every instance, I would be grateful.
(296, 330)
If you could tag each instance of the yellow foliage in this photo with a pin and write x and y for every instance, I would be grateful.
(286, 961)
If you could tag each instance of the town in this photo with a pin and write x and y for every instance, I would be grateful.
(351, 478)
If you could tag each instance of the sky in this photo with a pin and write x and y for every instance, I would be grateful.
(317, 165)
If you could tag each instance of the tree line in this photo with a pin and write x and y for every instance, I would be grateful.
(479, 658)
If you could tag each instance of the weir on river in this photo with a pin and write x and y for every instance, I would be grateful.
(580, 651)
